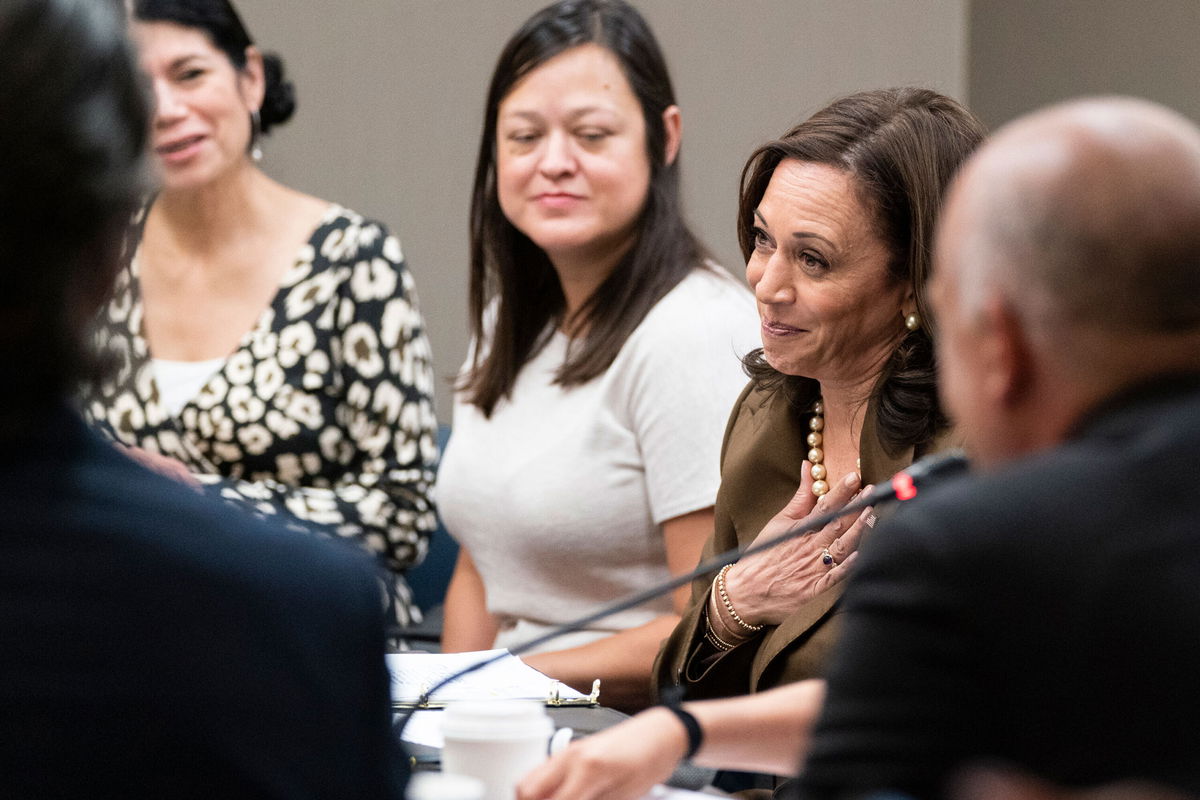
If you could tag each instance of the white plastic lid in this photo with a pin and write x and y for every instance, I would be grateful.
(496, 720)
(444, 786)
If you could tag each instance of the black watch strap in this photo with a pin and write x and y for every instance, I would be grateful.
(694, 733)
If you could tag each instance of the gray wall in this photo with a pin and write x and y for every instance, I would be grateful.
(391, 94)
(1027, 53)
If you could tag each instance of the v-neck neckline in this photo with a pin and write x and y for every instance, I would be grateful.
(263, 322)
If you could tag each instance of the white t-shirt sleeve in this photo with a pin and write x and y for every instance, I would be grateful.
(685, 376)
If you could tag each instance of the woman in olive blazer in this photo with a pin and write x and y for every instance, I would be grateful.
(835, 221)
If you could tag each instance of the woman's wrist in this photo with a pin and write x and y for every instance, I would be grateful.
(740, 615)
(691, 729)
(746, 592)
(722, 632)
(714, 638)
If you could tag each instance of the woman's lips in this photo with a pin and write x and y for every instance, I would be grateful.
(557, 199)
(773, 328)
(179, 149)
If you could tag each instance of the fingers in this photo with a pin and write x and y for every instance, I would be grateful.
(841, 492)
(543, 779)
(567, 774)
(837, 573)
(620, 763)
(848, 542)
(579, 780)
(585, 782)
(844, 549)
(798, 507)
(582, 774)
(802, 502)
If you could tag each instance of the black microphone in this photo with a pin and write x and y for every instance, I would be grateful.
(903, 487)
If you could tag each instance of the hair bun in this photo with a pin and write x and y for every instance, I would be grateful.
(279, 99)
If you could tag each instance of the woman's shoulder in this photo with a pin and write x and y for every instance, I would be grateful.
(337, 217)
(703, 326)
(707, 303)
(343, 235)
(709, 282)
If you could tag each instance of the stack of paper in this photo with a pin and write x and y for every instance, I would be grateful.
(510, 678)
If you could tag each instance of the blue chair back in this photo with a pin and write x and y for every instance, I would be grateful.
(431, 577)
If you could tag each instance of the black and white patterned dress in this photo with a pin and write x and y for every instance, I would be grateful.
(323, 414)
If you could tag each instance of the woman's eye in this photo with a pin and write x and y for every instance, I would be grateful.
(761, 240)
(190, 74)
(813, 261)
(592, 135)
(523, 137)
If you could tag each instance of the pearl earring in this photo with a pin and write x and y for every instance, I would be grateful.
(912, 321)
(256, 152)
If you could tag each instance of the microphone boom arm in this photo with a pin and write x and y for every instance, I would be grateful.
(902, 486)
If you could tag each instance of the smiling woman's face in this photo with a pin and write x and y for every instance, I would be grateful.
(202, 103)
(830, 309)
(571, 166)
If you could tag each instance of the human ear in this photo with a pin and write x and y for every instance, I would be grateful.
(252, 80)
(1007, 355)
(673, 128)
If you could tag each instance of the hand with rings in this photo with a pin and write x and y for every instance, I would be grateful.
(768, 587)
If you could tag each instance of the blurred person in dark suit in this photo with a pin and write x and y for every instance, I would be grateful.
(152, 642)
(1044, 613)
(999, 783)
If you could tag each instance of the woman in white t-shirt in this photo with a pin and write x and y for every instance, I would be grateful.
(589, 414)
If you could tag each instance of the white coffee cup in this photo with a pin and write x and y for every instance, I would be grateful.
(496, 741)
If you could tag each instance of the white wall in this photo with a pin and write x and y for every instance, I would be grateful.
(391, 94)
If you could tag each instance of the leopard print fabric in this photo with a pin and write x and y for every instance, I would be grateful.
(323, 415)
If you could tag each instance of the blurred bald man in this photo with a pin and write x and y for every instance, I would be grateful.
(1045, 612)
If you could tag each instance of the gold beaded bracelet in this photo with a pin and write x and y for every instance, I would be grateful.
(716, 632)
(720, 583)
(716, 641)
(723, 628)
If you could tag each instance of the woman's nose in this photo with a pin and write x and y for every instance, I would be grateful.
(770, 278)
(557, 159)
(167, 104)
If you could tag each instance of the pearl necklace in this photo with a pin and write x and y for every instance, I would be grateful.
(816, 456)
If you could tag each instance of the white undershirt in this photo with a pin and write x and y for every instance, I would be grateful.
(180, 381)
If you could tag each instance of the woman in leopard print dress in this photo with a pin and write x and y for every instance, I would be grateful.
(268, 345)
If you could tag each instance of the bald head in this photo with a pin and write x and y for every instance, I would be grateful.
(1067, 267)
(1085, 214)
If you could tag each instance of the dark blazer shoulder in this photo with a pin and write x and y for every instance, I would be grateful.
(209, 641)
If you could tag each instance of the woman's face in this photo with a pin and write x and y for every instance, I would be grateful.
(819, 271)
(202, 103)
(571, 167)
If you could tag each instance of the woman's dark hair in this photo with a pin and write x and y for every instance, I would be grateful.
(220, 20)
(508, 268)
(901, 146)
(73, 128)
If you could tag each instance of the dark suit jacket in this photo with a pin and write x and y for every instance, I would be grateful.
(1046, 615)
(156, 643)
(761, 465)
